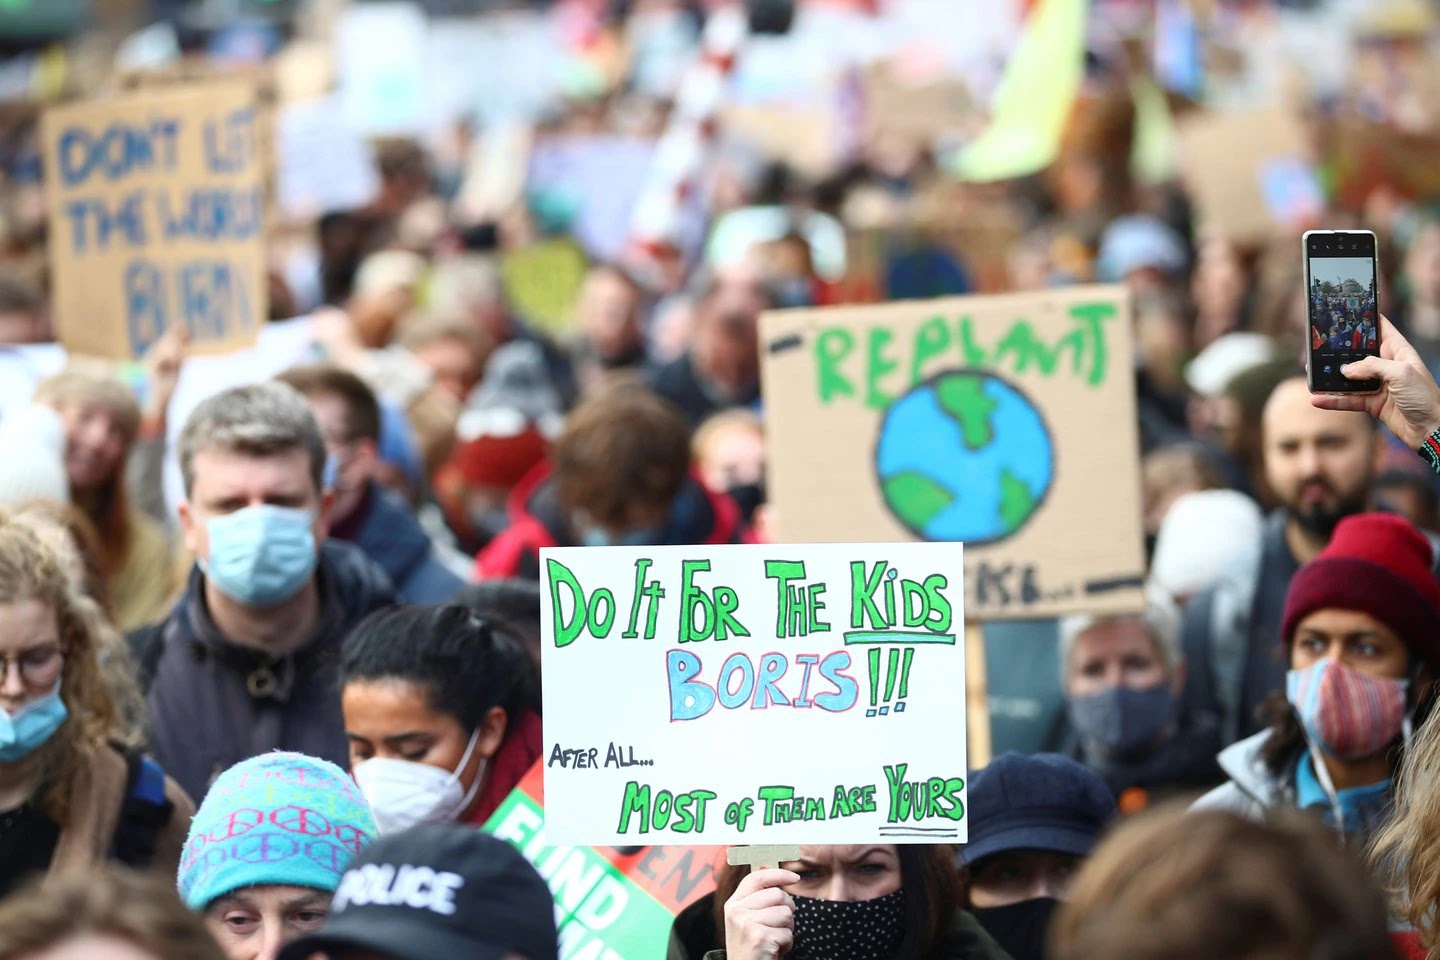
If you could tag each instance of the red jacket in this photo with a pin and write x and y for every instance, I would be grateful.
(697, 515)
(1407, 945)
(519, 750)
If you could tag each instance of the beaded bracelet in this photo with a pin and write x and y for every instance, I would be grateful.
(1430, 450)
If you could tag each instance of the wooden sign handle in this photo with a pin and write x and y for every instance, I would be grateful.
(977, 707)
(761, 855)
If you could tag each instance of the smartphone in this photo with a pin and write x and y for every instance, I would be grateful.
(1341, 274)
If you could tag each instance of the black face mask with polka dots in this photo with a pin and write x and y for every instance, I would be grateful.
(849, 929)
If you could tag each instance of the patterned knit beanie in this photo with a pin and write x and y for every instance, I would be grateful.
(279, 818)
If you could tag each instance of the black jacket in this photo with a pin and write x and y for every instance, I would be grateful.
(678, 382)
(212, 703)
(390, 534)
(1185, 766)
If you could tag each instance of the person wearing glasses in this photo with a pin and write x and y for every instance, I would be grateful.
(71, 793)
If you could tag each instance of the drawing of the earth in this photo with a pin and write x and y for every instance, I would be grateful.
(964, 456)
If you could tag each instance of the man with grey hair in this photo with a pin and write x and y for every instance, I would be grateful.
(246, 661)
(1122, 677)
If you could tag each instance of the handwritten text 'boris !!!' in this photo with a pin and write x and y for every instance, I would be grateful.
(884, 608)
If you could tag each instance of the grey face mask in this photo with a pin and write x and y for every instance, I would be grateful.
(1123, 722)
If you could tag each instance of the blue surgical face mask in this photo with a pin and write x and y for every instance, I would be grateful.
(592, 535)
(261, 555)
(24, 731)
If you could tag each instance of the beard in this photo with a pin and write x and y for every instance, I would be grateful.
(1321, 519)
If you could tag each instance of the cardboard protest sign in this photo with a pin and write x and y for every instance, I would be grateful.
(926, 110)
(1005, 422)
(1226, 159)
(754, 694)
(611, 902)
(157, 213)
(806, 136)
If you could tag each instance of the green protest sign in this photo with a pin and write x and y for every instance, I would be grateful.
(613, 904)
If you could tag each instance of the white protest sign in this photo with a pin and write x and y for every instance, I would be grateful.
(324, 164)
(754, 694)
(380, 58)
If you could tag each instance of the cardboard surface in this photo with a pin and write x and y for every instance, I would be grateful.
(807, 137)
(157, 211)
(1225, 159)
(754, 695)
(1005, 422)
(938, 107)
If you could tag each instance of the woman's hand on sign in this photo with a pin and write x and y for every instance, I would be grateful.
(1408, 401)
(760, 916)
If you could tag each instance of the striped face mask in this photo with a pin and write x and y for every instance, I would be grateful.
(1346, 713)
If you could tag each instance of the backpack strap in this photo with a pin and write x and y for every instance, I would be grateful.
(144, 811)
(146, 645)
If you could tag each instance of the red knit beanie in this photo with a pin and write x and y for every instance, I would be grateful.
(499, 461)
(1376, 563)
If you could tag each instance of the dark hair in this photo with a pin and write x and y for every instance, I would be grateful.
(623, 447)
(1416, 483)
(927, 874)
(465, 665)
(1251, 388)
(512, 605)
(401, 157)
(17, 295)
(362, 410)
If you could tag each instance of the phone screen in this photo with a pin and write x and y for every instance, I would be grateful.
(1340, 271)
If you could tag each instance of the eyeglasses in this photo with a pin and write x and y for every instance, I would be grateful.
(39, 667)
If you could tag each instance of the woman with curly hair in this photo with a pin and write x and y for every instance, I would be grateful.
(71, 792)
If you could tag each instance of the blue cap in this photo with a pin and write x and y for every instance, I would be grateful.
(1136, 242)
(1040, 802)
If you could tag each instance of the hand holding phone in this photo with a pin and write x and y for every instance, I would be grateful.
(1341, 276)
(1408, 401)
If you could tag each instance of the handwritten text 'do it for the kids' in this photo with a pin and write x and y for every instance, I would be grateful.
(885, 610)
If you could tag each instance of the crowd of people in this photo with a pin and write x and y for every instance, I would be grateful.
(262, 712)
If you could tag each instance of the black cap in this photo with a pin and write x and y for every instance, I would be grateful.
(438, 891)
(1040, 802)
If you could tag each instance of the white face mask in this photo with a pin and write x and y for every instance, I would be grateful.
(403, 793)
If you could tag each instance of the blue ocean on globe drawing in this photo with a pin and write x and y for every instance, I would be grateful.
(964, 456)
